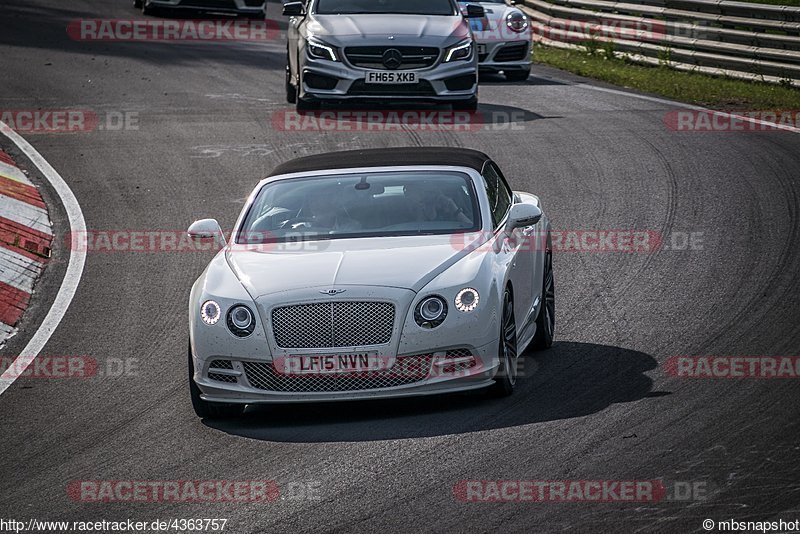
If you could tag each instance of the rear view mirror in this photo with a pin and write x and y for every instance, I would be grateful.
(206, 229)
(523, 215)
(294, 9)
(475, 12)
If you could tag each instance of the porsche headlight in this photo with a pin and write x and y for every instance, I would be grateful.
(430, 312)
(241, 321)
(517, 22)
(318, 49)
(459, 52)
(210, 312)
(467, 299)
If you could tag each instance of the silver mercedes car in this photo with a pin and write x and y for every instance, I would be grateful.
(248, 8)
(371, 274)
(381, 50)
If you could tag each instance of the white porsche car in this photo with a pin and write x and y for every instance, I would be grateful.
(371, 274)
(503, 39)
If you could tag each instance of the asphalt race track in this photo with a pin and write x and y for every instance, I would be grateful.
(600, 405)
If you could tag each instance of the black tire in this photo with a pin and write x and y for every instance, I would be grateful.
(517, 75)
(546, 320)
(291, 90)
(209, 410)
(506, 377)
(466, 105)
(147, 9)
(137, 4)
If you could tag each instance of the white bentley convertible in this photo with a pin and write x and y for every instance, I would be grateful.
(371, 274)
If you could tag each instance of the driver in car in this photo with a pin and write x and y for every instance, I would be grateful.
(429, 204)
(326, 212)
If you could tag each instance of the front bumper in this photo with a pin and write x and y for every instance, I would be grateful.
(505, 55)
(241, 7)
(439, 378)
(323, 80)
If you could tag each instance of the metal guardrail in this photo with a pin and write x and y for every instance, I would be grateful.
(721, 37)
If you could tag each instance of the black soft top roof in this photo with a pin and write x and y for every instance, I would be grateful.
(386, 157)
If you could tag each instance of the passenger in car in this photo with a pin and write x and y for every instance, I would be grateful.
(430, 204)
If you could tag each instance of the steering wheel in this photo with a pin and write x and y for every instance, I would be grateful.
(297, 220)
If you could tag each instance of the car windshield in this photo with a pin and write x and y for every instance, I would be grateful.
(379, 7)
(362, 205)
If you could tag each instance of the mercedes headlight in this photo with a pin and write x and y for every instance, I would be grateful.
(319, 50)
(461, 51)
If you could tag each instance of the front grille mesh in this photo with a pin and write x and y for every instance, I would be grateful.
(514, 52)
(371, 57)
(462, 366)
(459, 353)
(333, 324)
(361, 88)
(406, 370)
(219, 377)
(221, 4)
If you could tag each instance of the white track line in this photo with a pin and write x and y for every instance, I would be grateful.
(77, 258)
(689, 106)
(13, 173)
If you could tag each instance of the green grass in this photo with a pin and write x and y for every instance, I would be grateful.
(695, 88)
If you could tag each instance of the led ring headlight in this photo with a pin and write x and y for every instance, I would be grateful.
(430, 312)
(210, 312)
(467, 299)
(517, 22)
(241, 321)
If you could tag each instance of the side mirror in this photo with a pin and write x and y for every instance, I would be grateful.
(475, 12)
(206, 229)
(294, 9)
(523, 214)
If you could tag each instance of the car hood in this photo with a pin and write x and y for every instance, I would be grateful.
(493, 11)
(354, 30)
(402, 262)
(494, 21)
